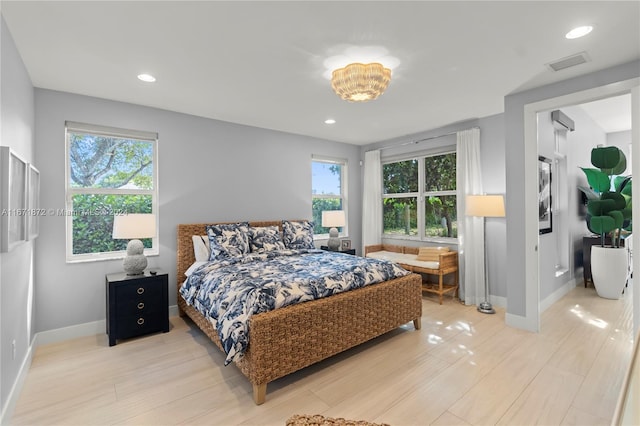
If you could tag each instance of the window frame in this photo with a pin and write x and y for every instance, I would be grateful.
(421, 195)
(344, 164)
(75, 127)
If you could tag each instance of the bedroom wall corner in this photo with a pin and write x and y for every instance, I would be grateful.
(16, 266)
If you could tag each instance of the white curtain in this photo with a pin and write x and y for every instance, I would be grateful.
(470, 229)
(372, 200)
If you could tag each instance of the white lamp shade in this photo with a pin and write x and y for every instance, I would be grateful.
(333, 218)
(130, 226)
(485, 205)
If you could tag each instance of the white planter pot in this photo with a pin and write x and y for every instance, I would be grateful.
(609, 270)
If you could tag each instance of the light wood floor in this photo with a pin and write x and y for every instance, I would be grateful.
(462, 368)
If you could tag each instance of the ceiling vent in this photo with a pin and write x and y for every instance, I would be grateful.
(569, 61)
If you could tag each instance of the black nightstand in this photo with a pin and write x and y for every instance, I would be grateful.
(136, 304)
(349, 251)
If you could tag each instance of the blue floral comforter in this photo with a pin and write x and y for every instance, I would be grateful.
(229, 291)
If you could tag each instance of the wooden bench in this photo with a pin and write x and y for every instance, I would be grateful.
(407, 258)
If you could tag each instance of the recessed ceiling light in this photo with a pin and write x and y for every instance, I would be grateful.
(146, 78)
(579, 32)
(329, 121)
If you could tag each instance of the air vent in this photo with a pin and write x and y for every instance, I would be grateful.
(561, 121)
(569, 61)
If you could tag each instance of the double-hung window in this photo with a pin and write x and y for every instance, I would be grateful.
(109, 172)
(328, 192)
(419, 199)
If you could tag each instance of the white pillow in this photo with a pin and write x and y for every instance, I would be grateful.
(193, 267)
(201, 247)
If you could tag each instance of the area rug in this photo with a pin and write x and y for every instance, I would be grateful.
(318, 420)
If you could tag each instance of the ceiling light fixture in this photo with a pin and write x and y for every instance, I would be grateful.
(148, 78)
(329, 121)
(579, 32)
(360, 82)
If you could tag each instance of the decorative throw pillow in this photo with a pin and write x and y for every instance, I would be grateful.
(201, 250)
(298, 235)
(265, 238)
(227, 240)
(431, 254)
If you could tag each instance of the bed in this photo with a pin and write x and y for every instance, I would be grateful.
(322, 327)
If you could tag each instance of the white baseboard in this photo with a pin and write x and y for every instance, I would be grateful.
(80, 330)
(557, 295)
(521, 322)
(16, 389)
(173, 310)
(71, 332)
(524, 323)
(498, 301)
(53, 336)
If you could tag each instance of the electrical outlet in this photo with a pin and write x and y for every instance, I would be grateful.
(13, 349)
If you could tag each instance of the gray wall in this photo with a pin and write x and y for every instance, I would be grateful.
(580, 142)
(492, 157)
(16, 285)
(515, 152)
(208, 171)
(576, 146)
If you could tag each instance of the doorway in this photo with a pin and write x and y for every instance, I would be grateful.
(565, 139)
(532, 284)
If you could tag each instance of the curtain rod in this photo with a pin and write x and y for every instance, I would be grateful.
(425, 139)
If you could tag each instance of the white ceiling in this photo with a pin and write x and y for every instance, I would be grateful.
(261, 63)
(611, 114)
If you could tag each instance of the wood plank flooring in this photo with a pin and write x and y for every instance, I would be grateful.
(462, 368)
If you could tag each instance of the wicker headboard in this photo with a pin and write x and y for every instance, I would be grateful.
(185, 243)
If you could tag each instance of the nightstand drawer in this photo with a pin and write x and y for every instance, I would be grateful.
(135, 325)
(143, 305)
(139, 289)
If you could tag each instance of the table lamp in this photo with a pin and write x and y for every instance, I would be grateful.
(333, 219)
(133, 227)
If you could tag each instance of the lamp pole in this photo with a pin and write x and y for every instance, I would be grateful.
(485, 206)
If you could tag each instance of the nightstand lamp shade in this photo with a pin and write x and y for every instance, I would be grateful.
(333, 219)
(134, 226)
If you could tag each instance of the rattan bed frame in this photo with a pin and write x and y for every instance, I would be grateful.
(291, 338)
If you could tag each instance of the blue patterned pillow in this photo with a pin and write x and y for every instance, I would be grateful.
(266, 238)
(298, 235)
(227, 240)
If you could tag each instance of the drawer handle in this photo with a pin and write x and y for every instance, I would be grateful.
(140, 305)
(140, 321)
(140, 290)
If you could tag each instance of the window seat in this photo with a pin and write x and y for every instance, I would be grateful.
(407, 257)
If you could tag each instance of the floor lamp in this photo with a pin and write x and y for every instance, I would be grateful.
(485, 206)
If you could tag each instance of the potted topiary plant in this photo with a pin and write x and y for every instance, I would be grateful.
(608, 213)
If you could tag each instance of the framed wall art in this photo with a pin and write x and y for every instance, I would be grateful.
(545, 210)
(13, 199)
(33, 202)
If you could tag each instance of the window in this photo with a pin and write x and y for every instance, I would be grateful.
(109, 171)
(419, 197)
(328, 192)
